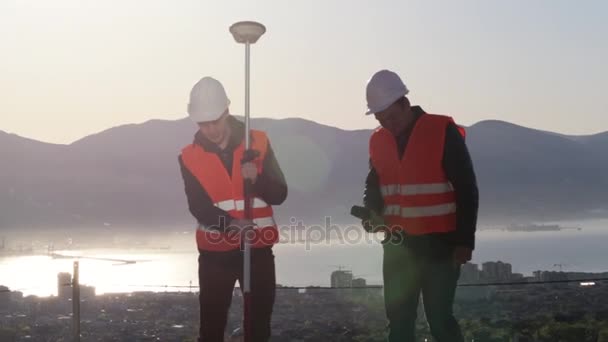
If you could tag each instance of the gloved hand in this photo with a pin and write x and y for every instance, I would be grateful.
(374, 224)
(462, 254)
(249, 172)
(249, 169)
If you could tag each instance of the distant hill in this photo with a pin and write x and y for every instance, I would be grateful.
(129, 174)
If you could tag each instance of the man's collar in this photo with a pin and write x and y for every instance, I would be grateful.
(417, 111)
(237, 134)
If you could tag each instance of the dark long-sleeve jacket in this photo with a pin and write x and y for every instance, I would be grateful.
(269, 186)
(458, 168)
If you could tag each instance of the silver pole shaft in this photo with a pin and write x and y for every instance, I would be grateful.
(247, 127)
(247, 252)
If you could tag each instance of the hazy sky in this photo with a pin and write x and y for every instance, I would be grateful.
(69, 68)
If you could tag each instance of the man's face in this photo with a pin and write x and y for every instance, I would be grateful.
(396, 117)
(215, 131)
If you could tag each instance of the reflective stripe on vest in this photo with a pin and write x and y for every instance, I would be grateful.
(414, 212)
(434, 210)
(415, 189)
(240, 204)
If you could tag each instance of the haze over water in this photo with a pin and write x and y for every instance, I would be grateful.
(297, 264)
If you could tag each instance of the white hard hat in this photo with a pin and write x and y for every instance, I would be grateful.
(208, 100)
(383, 89)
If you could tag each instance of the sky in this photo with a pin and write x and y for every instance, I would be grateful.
(70, 68)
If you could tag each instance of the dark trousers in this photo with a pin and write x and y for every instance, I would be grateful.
(217, 273)
(406, 276)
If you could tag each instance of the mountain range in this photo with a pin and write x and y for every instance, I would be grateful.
(129, 175)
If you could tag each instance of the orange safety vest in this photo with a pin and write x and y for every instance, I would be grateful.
(228, 194)
(418, 197)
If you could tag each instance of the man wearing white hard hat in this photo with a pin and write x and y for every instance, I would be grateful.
(422, 185)
(214, 168)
